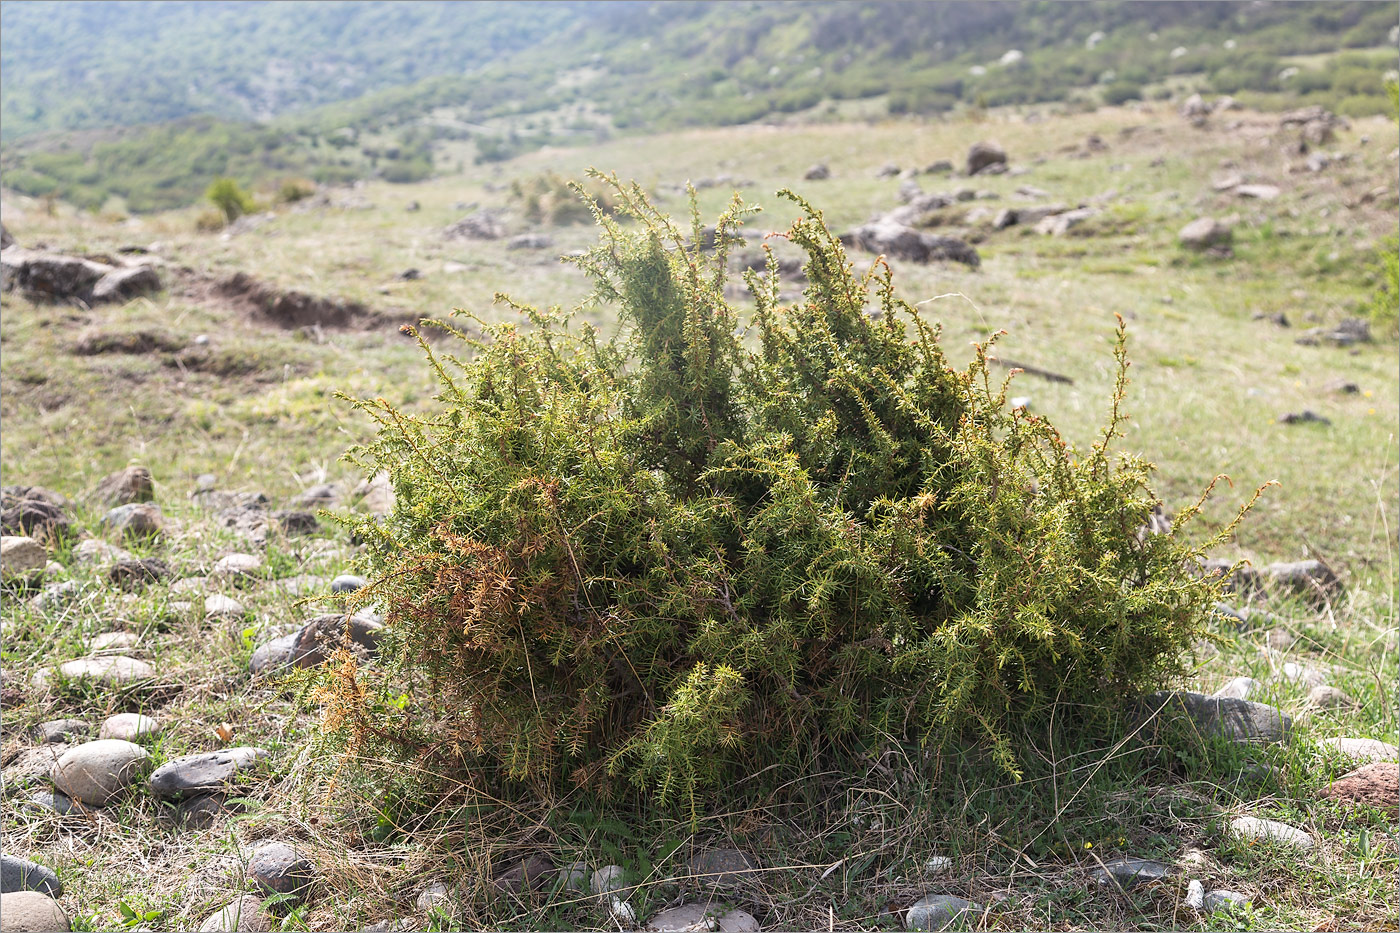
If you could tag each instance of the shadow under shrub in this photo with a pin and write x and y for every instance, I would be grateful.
(710, 548)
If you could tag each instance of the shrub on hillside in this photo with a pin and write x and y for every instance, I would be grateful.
(712, 546)
(230, 198)
(547, 198)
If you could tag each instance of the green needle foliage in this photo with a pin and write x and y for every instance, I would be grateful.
(709, 546)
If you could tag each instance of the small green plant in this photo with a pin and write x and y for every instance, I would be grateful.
(547, 198)
(231, 200)
(292, 190)
(712, 547)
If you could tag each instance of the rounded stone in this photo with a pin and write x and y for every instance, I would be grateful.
(607, 879)
(1215, 900)
(31, 912)
(136, 520)
(936, 911)
(130, 727)
(203, 773)
(722, 868)
(1324, 696)
(244, 915)
(219, 606)
(277, 868)
(20, 874)
(59, 730)
(95, 772)
(112, 641)
(1254, 829)
(1363, 750)
(348, 583)
(20, 555)
(238, 566)
(111, 671)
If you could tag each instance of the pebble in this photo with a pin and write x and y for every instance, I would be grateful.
(1126, 872)
(200, 812)
(52, 801)
(129, 727)
(722, 868)
(21, 555)
(1239, 689)
(59, 730)
(1195, 895)
(238, 567)
(20, 874)
(938, 865)
(136, 519)
(1363, 750)
(1215, 900)
(277, 868)
(348, 583)
(110, 670)
(95, 772)
(937, 911)
(1254, 829)
(203, 773)
(219, 607)
(244, 915)
(1324, 696)
(109, 641)
(32, 912)
(607, 879)
(623, 912)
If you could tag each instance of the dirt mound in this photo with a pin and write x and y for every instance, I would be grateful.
(293, 309)
(139, 341)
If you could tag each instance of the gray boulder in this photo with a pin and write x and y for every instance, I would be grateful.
(95, 772)
(31, 912)
(901, 242)
(819, 172)
(126, 283)
(19, 874)
(1205, 232)
(984, 155)
(1235, 719)
(1310, 580)
(209, 772)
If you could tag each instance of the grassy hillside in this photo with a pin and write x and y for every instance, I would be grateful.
(577, 74)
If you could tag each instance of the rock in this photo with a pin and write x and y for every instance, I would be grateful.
(1216, 900)
(134, 574)
(348, 583)
(622, 912)
(50, 801)
(219, 607)
(435, 897)
(481, 225)
(296, 522)
(737, 921)
(819, 172)
(126, 283)
(276, 868)
(19, 874)
(320, 496)
(1258, 192)
(200, 812)
(6, 241)
(33, 510)
(135, 519)
(1060, 224)
(1310, 580)
(888, 170)
(238, 567)
(129, 727)
(31, 912)
(95, 772)
(133, 484)
(113, 641)
(1205, 232)
(1346, 333)
(901, 242)
(53, 277)
(21, 556)
(323, 635)
(689, 918)
(59, 730)
(203, 773)
(575, 877)
(1253, 829)
(938, 865)
(1237, 720)
(33, 765)
(1374, 785)
(110, 671)
(937, 911)
(722, 868)
(1123, 873)
(938, 167)
(1306, 416)
(608, 879)
(984, 154)
(97, 551)
(273, 655)
(1238, 689)
(244, 915)
(1195, 895)
(530, 241)
(1301, 674)
(1362, 750)
(409, 275)
(1193, 106)
(1227, 183)
(524, 875)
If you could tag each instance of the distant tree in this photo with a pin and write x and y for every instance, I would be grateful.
(231, 200)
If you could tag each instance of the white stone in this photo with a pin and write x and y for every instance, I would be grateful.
(938, 865)
(110, 641)
(129, 727)
(219, 606)
(1254, 829)
(238, 566)
(112, 670)
(1299, 673)
(623, 912)
(1240, 688)
(21, 555)
(1195, 895)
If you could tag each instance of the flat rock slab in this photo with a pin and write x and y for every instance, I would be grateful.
(110, 671)
(1235, 719)
(1254, 829)
(95, 772)
(1363, 750)
(203, 773)
(20, 874)
(937, 911)
(1374, 785)
(31, 912)
(1123, 873)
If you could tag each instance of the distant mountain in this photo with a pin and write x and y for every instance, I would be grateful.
(148, 101)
